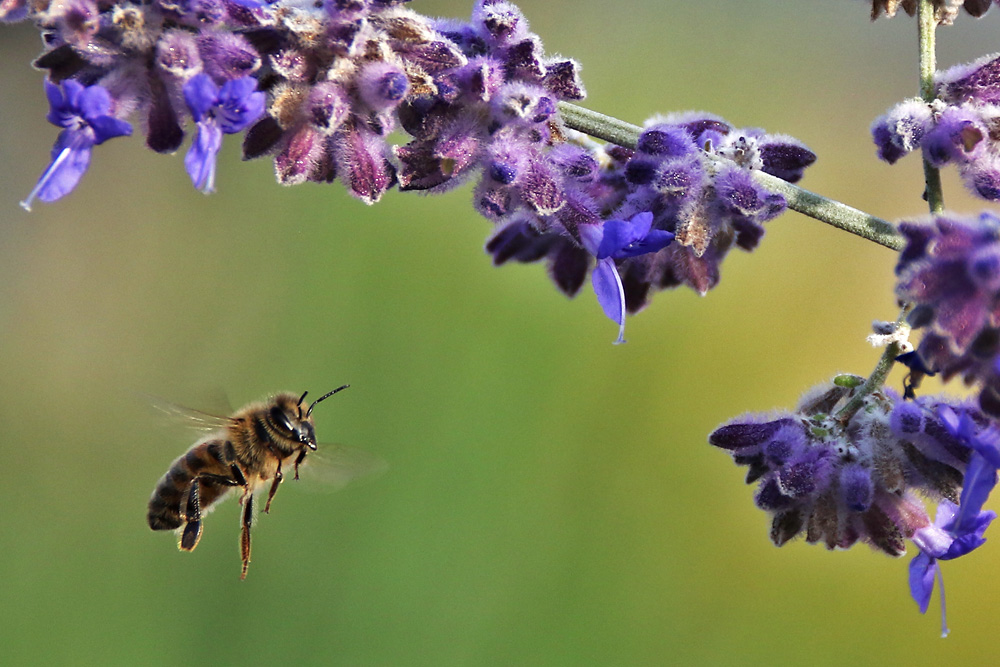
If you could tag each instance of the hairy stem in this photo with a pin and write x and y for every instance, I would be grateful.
(927, 22)
(808, 203)
(878, 376)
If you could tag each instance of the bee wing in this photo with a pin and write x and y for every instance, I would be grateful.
(332, 467)
(196, 420)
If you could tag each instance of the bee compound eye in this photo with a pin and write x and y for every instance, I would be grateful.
(279, 418)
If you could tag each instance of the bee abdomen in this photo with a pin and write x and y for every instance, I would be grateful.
(164, 504)
(164, 511)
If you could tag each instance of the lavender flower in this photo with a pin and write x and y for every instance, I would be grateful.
(950, 271)
(670, 175)
(841, 479)
(84, 113)
(216, 110)
(321, 87)
(957, 128)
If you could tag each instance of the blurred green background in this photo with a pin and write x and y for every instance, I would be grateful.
(551, 498)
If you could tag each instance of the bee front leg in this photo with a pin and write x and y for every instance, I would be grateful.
(298, 461)
(245, 534)
(274, 488)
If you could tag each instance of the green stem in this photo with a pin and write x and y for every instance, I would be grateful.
(878, 376)
(808, 203)
(927, 22)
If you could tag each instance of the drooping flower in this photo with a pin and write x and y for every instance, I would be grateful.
(84, 114)
(217, 111)
(619, 240)
(958, 529)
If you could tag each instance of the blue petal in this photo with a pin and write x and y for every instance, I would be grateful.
(94, 102)
(590, 236)
(980, 479)
(922, 571)
(70, 157)
(201, 94)
(610, 294)
(619, 234)
(55, 96)
(109, 127)
(239, 104)
(654, 241)
(987, 443)
(200, 158)
(72, 91)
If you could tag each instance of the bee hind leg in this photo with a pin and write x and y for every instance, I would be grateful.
(192, 512)
(192, 507)
(245, 534)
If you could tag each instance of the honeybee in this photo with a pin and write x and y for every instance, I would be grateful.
(248, 451)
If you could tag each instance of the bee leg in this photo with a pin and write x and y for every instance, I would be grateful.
(298, 461)
(245, 535)
(192, 512)
(274, 489)
(229, 457)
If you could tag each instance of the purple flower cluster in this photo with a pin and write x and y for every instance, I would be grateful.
(321, 86)
(961, 127)
(675, 175)
(950, 271)
(841, 476)
(842, 480)
(339, 77)
(946, 10)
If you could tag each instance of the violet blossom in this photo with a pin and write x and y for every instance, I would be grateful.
(217, 110)
(619, 240)
(958, 529)
(84, 114)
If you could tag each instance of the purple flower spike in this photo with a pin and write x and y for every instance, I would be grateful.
(83, 113)
(619, 239)
(215, 110)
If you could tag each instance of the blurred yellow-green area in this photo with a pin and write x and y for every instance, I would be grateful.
(550, 498)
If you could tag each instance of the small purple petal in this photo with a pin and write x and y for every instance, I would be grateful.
(610, 293)
(923, 568)
(200, 159)
(201, 94)
(619, 234)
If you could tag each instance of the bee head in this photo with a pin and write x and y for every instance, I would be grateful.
(295, 419)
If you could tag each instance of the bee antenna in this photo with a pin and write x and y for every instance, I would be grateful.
(322, 398)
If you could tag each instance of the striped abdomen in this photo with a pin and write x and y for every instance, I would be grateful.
(212, 463)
